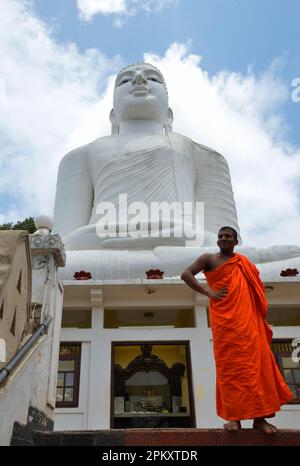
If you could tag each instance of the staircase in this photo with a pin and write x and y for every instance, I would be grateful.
(167, 437)
(30, 315)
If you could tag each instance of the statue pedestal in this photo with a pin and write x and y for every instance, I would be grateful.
(124, 265)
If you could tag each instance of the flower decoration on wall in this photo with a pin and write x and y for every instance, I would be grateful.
(289, 273)
(154, 274)
(82, 275)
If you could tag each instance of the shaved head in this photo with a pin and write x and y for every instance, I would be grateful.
(232, 230)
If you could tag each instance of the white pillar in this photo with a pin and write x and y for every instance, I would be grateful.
(99, 386)
(203, 369)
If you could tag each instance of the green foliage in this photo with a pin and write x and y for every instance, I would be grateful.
(27, 224)
(6, 226)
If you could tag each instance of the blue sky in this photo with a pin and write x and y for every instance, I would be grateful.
(229, 67)
(228, 34)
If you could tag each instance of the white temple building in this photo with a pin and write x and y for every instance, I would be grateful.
(107, 323)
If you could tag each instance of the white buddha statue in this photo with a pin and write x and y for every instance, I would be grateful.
(148, 163)
(144, 160)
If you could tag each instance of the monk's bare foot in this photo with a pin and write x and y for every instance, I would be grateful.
(264, 426)
(232, 426)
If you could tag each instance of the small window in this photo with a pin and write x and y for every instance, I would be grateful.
(289, 368)
(67, 391)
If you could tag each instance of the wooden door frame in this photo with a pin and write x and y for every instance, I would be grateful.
(185, 343)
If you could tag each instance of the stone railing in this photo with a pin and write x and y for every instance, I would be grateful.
(31, 299)
(44, 246)
(15, 291)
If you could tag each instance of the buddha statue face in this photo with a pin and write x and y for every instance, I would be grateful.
(140, 94)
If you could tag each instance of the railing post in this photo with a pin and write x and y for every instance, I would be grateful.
(48, 255)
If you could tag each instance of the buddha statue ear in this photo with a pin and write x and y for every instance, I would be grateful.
(114, 124)
(169, 121)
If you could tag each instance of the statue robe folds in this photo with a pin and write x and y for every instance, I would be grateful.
(249, 383)
(148, 168)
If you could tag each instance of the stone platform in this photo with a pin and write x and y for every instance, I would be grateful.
(167, 437)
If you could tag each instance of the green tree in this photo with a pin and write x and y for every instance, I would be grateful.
(6, 226)
(27, 224)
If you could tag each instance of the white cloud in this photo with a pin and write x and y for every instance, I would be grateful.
(89, 8)
(238, 115)
(120, 8)
(53, 103)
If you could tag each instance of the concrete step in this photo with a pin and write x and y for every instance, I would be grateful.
(167, 437)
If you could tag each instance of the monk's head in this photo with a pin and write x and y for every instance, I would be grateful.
(140, 94)
(227, 239)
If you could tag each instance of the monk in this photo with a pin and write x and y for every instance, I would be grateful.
(249, 384)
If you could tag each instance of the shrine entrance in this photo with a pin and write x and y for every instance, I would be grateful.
(151, 385)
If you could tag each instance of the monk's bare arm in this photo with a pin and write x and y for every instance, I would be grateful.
(188, 276)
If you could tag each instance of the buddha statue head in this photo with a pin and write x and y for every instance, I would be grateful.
(140, 94)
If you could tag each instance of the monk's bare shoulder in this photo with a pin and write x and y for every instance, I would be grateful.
(202, 263)
(211, 260)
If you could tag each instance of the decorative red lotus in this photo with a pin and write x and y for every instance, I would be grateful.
(154, 274)
(289, 273)
(82, 275)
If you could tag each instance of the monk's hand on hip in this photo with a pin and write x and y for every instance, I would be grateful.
(218, 294)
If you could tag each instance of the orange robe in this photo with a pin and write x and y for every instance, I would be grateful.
(249, 383)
